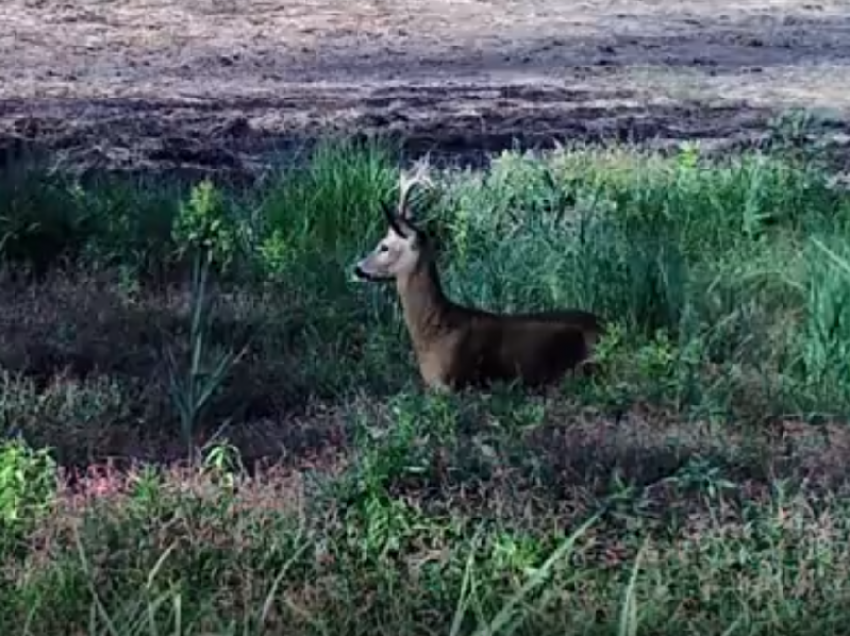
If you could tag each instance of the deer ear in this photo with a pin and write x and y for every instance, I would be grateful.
(421, 237)
(393, 220)
(404, 212)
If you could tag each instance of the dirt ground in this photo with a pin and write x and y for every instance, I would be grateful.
(230, 83)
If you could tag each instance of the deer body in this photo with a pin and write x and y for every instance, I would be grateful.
(458, 346)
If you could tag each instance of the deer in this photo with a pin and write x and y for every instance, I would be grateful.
(457, 346)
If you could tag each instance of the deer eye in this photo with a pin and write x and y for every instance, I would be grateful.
(383, 248)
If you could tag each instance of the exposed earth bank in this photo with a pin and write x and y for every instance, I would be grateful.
(229, 84)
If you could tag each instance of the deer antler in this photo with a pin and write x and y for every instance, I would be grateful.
(407, 181)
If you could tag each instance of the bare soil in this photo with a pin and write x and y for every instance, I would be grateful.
(228, 84)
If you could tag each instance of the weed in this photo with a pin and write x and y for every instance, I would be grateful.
(191, 391)
(27, 484)
(203, 226)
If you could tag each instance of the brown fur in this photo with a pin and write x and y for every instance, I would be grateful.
(458, 346)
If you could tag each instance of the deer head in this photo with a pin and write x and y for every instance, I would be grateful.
(400, 251)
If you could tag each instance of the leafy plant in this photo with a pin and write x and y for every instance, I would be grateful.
(203, 225)
(27, 484)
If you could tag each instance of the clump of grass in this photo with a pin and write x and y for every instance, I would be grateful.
(39, 223)
(318, 214)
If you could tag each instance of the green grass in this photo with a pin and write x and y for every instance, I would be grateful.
(698, 486)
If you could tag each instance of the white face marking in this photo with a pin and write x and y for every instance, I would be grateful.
(394, 256)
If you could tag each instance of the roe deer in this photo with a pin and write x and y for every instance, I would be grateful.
(458, 346)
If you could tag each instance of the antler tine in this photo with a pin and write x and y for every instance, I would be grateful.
(408, 180)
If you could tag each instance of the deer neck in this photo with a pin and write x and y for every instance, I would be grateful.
(424, 303)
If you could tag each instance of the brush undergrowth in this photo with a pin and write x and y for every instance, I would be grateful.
(658, 498)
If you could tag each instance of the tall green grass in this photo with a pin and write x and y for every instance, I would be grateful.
(726, 283)
(718, 255)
